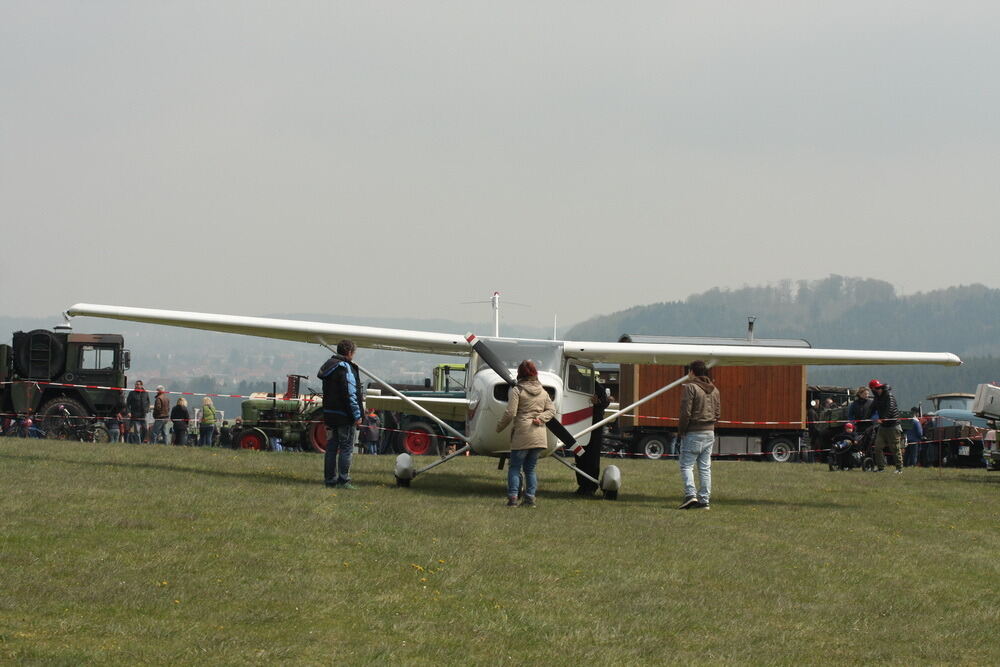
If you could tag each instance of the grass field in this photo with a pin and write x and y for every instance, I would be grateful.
(151, 554)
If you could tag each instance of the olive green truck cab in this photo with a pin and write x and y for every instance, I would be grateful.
(41, 370)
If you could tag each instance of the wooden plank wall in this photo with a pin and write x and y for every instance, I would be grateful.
(749, 393)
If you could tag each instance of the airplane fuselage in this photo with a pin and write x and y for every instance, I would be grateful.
(570, 385)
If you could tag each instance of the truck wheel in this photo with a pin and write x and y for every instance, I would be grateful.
(780, 450)
(318, 436)
(50, 417)
(653, 446)
(418, 438)
(253, 438)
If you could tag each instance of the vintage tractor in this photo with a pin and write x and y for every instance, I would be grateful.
(293, 420)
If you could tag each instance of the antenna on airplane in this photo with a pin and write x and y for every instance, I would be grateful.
(495, 302)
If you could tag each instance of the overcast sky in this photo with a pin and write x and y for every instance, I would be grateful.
(401, 158)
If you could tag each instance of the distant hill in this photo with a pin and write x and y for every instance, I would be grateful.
(839, 312)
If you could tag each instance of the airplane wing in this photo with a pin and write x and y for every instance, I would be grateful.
(451, 409)
(456, 345)
(746, 355)
(294, 330)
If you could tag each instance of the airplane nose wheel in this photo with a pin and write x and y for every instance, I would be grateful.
(611, 482)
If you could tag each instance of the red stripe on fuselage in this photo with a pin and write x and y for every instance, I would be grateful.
(578, 416)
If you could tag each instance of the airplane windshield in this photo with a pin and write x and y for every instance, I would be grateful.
(547, 355)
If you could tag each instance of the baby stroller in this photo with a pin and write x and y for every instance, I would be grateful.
(848, 451)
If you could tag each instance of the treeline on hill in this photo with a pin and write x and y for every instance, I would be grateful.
(839, 312)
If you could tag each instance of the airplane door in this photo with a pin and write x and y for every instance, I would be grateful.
(577, 408)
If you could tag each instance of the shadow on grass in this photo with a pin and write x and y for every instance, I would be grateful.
(988, 477)
(265, 477)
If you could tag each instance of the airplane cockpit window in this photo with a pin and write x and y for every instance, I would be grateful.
(546, 354)
(580, 378)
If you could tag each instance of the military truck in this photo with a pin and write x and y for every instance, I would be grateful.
(49, 375)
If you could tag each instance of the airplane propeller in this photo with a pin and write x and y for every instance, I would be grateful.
(493, 361)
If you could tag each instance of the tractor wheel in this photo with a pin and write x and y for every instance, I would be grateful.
(253, 438)
(101, 434)
(48, 417)
(318, 435)
(418, 438)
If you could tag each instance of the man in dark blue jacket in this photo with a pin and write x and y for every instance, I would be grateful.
(343, 402)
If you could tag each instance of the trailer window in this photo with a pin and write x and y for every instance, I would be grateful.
(97, 358)
(580, 378)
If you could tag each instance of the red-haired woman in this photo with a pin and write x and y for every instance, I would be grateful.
(529, 407)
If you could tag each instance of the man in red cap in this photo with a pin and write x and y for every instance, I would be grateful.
(889, 434)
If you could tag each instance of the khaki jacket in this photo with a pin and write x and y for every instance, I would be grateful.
(701, 406)
(528, 401)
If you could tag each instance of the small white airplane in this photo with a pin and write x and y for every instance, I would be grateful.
(565, 370)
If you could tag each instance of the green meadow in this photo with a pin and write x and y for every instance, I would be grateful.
(128, 554)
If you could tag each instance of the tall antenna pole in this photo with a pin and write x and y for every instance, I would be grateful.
(495, 300)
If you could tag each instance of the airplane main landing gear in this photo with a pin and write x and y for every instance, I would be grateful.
(404, 470)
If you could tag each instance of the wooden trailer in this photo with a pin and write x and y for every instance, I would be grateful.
(763, 407)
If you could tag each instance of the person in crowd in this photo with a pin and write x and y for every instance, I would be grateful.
(529, 408)
(161, 413)
(590, 460)
(889, 433)
(225, 435)
(206, 430)
(371, 432)
(180, 417)
(859, 412)
(700, 409)
(390, 427)
(914, 431)
(138, 405)
(814, 427)
(235, 431)
(842, 445)
(343, 405)
(116, 426)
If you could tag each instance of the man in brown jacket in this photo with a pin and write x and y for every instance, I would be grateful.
(161, 413)
(700, 409)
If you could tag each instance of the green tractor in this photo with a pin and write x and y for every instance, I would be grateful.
(290, 420)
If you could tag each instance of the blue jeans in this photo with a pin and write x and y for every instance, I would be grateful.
(337, 461)
(159, 431)
(522, 458)
(205, 435)
(697, 446)
(910, 455)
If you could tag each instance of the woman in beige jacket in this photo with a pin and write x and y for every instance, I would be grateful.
(529, 407)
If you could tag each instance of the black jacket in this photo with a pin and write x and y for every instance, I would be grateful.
(180, 416)
(343, 397)
(885, 406)
(138, 404)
